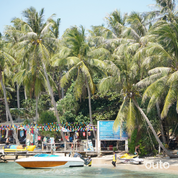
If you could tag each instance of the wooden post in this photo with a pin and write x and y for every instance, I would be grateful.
(87, 139)
(126, 146)
(65, 146)
(74, 145)
(51, 150)
(17, 135)
(42, 146)
(98, 141)
(117, 144)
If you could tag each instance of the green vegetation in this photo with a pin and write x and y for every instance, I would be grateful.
(125, 71)
(47, 117)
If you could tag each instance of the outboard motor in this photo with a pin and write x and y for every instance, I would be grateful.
(79, 155)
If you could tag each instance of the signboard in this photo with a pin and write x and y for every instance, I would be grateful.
(105, 131)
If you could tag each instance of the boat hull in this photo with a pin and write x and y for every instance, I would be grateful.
(53, 162)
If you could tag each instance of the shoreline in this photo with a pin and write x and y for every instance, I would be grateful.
(155, 162)
(105, 162)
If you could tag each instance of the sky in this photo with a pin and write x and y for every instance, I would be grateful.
(72, 12)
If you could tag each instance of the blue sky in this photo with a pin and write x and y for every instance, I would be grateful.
(71, 12)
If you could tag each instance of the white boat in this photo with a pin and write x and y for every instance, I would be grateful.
(49, 161)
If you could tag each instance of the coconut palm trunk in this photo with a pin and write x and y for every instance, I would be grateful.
(161, 125)
(52, 98)
(7, 116)
(62, 89)
(89, 104)
(36, 117)
(18, 102)
(7, 108)
(154, 133)
(25, 93)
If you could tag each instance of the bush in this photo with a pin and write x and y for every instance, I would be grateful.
(114, 149)
(26, 122)
(47, 117)
(133, 143)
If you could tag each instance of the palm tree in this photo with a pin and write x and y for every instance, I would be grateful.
(162, 82)
(81, 67)
(27, 72)
(116, 22)
(127, 79)
(37, 41)
(163, 10)
(5, 60)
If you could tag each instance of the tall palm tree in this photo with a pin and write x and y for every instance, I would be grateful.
(5, 60)
(116, 22)
(81, 66)
(163, 10)
(37, 41)
(28, 72)
(127, 79)
(165, 72)
(162, 82)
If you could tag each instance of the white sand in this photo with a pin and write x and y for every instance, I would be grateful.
(170, 166)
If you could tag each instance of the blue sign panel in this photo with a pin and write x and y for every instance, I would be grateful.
(106, 131)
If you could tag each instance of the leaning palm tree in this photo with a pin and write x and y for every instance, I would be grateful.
(5, 60)
(162, 82)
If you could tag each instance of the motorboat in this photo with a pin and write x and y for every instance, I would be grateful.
(18, 148)
(49, 161)
(126, 158)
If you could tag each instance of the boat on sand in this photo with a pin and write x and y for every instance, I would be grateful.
(126, 158)
(49, 161)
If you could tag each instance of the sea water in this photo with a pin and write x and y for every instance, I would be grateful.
(9, 170)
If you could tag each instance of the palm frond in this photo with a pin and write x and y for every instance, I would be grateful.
(89, 78)
(131, 117)
(170, 99)
(120, 118)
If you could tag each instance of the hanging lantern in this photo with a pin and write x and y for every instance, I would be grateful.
(84, 134)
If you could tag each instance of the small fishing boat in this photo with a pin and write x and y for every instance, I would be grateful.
(49, 161)
(126, 158)
(18, 148)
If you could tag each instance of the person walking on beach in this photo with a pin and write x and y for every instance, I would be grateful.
(137, 149)
(114, 159)
(89, 161)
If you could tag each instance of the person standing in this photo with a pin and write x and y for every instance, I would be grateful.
(89, 161)
(114, 159)
(7, 141)
(137, 149)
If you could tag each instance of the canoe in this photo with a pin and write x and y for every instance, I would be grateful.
(16, 148)
(41, 161)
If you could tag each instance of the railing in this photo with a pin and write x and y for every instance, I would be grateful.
(66, 146)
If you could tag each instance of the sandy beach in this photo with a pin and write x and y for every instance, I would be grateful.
(171, 164)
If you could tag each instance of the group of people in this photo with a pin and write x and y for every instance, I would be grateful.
(137, 150)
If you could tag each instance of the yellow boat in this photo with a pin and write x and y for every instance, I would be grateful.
(126, 158)
(16, 148)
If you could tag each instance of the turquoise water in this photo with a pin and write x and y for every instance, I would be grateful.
(8, 170)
